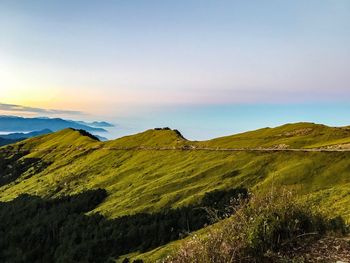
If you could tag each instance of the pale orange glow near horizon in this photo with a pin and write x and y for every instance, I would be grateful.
(50, 98)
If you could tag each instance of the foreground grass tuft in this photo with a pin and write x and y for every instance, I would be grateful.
(260, 231)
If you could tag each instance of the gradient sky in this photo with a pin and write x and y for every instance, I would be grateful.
(209, 68)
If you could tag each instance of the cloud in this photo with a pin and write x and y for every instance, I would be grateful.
(32, 110)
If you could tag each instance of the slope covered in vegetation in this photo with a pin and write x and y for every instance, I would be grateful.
(35, 229)
(297, 135)
(271, 228)
(159, 169)
(147, 180)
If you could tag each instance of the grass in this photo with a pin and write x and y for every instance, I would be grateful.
(297, 135)
(145, 180)
(150, 180)
(265, 229)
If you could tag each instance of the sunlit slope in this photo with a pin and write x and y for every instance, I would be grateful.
(150, 138)
(298, 135)
(148, 180)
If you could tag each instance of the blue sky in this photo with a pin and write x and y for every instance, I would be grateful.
(185, 64)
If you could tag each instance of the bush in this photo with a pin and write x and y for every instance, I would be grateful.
(259, 227)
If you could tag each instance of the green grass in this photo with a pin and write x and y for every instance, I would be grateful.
(150, 180)
(298, 135)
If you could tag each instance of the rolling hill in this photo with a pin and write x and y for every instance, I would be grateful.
(159, 168)
(174, 175)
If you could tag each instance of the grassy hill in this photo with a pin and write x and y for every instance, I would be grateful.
(153, 170)
(298, 135)
(146, 180)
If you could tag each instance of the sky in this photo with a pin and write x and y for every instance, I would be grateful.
(207, 68)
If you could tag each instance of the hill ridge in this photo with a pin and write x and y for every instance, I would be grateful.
(147, 180)
(287, 137)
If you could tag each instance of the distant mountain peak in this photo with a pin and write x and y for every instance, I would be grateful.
(23, 124)
(21, 135)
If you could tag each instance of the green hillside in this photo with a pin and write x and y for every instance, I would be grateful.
(298, 135)
(159, 169)
(146, 180)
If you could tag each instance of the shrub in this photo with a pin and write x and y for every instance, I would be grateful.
(259, 227)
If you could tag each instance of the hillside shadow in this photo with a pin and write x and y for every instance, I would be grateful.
(35, 229)
(13, 165)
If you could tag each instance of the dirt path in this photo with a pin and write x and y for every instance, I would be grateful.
(183, 148)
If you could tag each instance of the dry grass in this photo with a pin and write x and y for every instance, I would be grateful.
(258, 230)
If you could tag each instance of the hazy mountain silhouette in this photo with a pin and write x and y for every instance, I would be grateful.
(22, 136)
(20, 124)
(6, 141)
(97, 124)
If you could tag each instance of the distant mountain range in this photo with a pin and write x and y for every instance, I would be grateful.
(21, 124)
(98, 124)
(20, 136)
(6, 141)
(20, 128)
